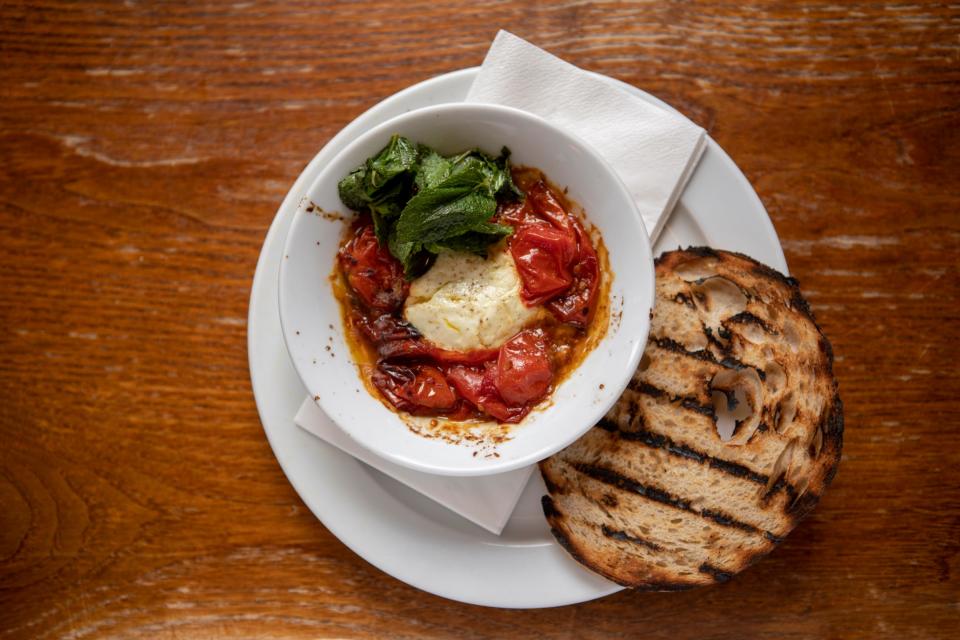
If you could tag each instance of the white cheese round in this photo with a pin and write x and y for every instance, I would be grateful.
(466, 302)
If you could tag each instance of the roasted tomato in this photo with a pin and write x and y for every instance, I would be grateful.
(373, 274)
(576, 305)
(517, 213)
(544, 256)
(415, 389)
(476, 385)
(547, 206)
(523, 368)
(395, 338)
(555, 258)
(508, 388)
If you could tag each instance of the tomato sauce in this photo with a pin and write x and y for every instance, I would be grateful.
(559, 268)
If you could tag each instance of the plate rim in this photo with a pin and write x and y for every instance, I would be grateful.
(291, 201)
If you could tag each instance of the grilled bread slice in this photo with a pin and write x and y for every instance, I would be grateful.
(654, 497)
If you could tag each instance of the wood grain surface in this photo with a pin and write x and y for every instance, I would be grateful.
(144, 149)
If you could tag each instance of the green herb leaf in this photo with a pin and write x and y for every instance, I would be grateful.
(496, 170)
(389, 200)
(449, 209)
(405, 252)
(397, 158)
(352, 191)
(382, 183)
(434, 168)
(381, 228)
(493, 229)
(508, 190)
(476, 242)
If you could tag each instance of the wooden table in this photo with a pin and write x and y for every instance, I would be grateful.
(144, 149)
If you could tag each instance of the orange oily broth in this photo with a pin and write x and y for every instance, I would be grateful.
(569, 345)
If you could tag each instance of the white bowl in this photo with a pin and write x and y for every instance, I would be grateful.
(312, 324)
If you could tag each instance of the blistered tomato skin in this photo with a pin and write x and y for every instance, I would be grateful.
(577, 305)
(397, 339)
(524, 373)
(543, 256)
(554, 255)
(415, 388)
(478, 387)
(508, 388)
(546, 205)
(372, 273)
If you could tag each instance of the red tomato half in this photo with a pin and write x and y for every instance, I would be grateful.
(476, 385)
(507, 389)
(469, 383)
(414, 388)
(577, 305)
(517, 213)
(374, 275)
(548, 207)
(543, 256)
(524, 373)
(554, 255)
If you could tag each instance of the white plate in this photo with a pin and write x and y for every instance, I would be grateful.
(397, 530)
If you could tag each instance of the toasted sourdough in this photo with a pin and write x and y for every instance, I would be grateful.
(652, 497)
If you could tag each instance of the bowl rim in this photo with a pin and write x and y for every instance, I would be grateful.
(500, 465)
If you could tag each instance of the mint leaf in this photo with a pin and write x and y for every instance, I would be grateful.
(434, 168)
(496, 170)
(448, 209)
(493, 229)
(382, 182)
(381, 228)
(404, 252)
(475, 242)
(508, 189)
(352, 191)
(397, 158)
(389, 200)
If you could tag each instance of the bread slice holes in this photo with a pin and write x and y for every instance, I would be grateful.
(781, 466)
(737, 402)
(644, 363)
(801, 488)
(730, 408)
(816, 443)
(696, 269)
(752, 332)
(776, 377)
(786, 412)
(718, 299)
(696, 342)
(792, 336)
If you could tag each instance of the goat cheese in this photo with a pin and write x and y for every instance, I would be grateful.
(465, 302)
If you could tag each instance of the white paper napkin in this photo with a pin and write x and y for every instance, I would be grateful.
(653, 150)
(487, 501)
